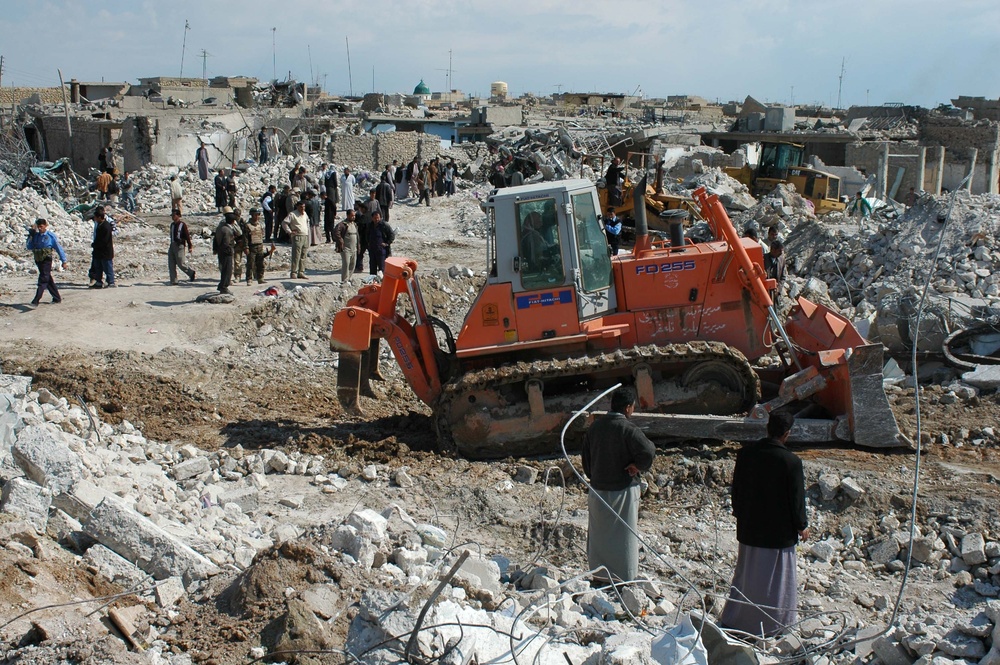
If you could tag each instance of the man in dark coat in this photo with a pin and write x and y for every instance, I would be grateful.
(384, 196)
(220, 190)
(614, 453)
(380, 237)
(769, 502)
(103, 255)
(223, 246)
(613, 180)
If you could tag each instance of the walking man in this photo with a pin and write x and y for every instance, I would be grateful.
(201, 159)
(176, 193)
(42, 243)
(180, 246)
(103, 254)
(615, 452)
(297, 224)
(262, 144)
(267, 203)
(769, 502)
(347, 182)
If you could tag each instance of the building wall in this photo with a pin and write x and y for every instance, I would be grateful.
(959, 138)
(374, 151)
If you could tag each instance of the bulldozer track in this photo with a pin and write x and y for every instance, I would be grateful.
(685, 355)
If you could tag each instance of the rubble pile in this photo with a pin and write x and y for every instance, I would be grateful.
(19, 208)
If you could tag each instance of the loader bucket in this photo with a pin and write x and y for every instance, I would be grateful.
(874, 422)
(853, 370)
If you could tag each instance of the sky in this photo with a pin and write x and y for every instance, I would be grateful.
(920, 52)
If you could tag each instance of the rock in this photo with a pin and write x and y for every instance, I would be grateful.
(891, 652)
(431, 535)
(961, 646)
(627, 649)
(114, 567)
(369, 473)
(525, 474)
(828, 485)
(851, 488)
(293, 501)
(169, 591)
(635, 601)
(823, 550)
(323, 600)
(478, 576)
(369, 524)
(191, 467)
(47, 460)
(925, 549)
(247, 498)
(973, 549)
(134, 537)
(300, 629)
(26, 500)
(403, 479)
(883, 550)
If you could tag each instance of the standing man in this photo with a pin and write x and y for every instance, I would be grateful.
(231, 189)
(384, 196)
(297, 224)
(267, 203)
(255, 248)
(220, 190)
(103, 254)
(313, 210)
(380, 237)
(176, 193)
(347, 190)
(774, 267)
(329, 216)
(128, 193)
(104, 184)
(412, 171)
(223, 246)
(262, 144)
(614, 453)
(201, 159)
(42, 242)
(613, 229)
(769, 501)
(860, 206)
(330, 184)
(345, 234)
(180, 241)
(613, 181)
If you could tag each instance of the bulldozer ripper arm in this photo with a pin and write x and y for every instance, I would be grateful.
(752, 274)
(371, 316)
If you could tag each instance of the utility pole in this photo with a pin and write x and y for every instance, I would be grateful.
(793, 96)
(69, 125)
(274, 58)
(187, 26)
(310, 52)
(840, 84)
(350, 78)
(1, 89)
(204, 72)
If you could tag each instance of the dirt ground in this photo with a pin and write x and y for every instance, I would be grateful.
(256, 373)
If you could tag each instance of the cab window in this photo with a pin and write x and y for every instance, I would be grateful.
(541, 263)
(592, 244)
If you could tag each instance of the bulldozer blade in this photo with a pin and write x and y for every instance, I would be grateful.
(874, 422)
(349, 380)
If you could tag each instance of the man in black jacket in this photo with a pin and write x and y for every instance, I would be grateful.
(103, 254)
(770, 506)
(614, 453)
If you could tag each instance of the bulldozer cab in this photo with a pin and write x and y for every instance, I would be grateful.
(776, 159)
(548, 243)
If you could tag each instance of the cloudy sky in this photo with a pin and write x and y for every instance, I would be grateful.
(921, 52)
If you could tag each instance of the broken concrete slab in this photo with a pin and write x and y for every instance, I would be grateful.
(28, 501)
(121, 529)
(47, 460)
(169, 591)
(984, 376)
(190, 468)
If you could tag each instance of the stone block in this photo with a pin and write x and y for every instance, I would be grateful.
(829, 483)
(61, 525)
(635, 600)
(247, 498)
(370, 525)
(407, 560)
(984, 376)
(851, 488)
(169, 591)
(26, 500)
(46, 459)
(883, 550)
(481, 575)
(113, 567)
(957, 645)
(891, 652)
(925, 549)
(324, 601)
(627, 649)
(81, 500)
(973, 549)
(190, 468)
(113, 524)
(293, 501)
(823, 550)
(525, 474)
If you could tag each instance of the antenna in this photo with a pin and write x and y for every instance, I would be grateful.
(840, 84)
(187, 26)
(274, 58)
(558, 87)
(350, 78)
(449, 71)
(309, 51)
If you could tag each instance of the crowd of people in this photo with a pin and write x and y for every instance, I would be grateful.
(310, 209)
